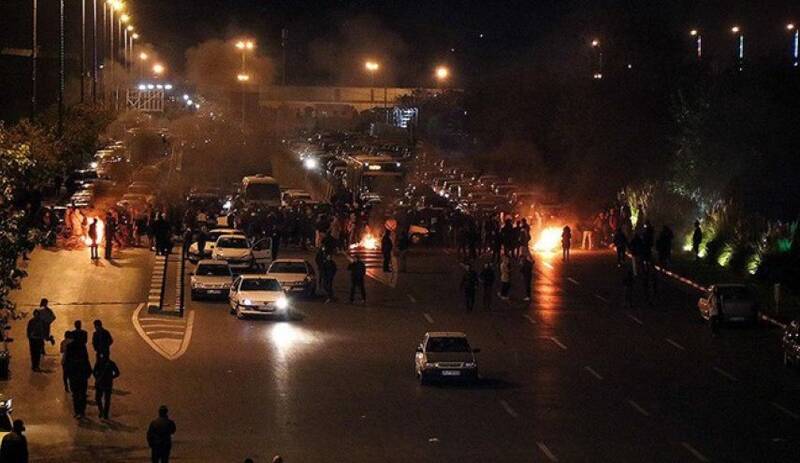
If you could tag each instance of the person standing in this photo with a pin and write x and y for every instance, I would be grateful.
(63, 349)
(358, 272)
(48, 317)
(328, 273)
(101, 340)
(14, 447)
(487, 280)
(386, 250)
(505, 277)
(36, 334)
(566, 242)
(159, 436)
(105, 372)
(469, 284)
(93, 239)
(275, 243)
(697, 239)
(110, 232)
(526, 271)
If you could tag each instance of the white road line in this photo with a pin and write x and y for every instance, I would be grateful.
(508, 409)
(636, 319)
(147, 327)
(785, 410)
(161, 320)
(601, 298)
(593, 372)
(178, 332)
(558, 343)
(546, 451)
(548, 265)
(573, 281)
(529, 318)
(695, 453)
(638, 408)
(725, 374)
(428, 317)
(412, 299)
(675, 344)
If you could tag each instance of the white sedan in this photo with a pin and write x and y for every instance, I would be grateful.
(211, 278)
(257, 295)
(211, 241)
(294, 275)
(237, 251)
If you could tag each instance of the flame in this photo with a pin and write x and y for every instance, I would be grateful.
(549, 240)
(100, 232)
(367, 242)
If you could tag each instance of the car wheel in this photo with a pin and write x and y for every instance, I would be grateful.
(239, 314)
(232, 310)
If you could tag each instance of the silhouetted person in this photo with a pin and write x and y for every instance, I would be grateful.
(386, 250)
(101, 340)
(78, 372)
(14, 447)
(664, 245)
(487, 278)
(48, 317)
(526, 272)
(328, 273)
(110, 234)
(566, 242)
(159, 436)
(697, 238)
(93, 239)
(105, 372)
(469, 284)
(358, 272)
(621, 245)
(36, 336)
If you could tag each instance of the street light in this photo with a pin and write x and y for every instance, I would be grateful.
(242, 77)
(442, 73)
(795, 43)
(698, 42)
(158, 69)
(740, 51)
(598, 72)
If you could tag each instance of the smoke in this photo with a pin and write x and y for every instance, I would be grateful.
(342, 55)
(213, 66)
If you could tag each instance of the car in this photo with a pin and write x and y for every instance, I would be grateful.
(258, 295)
(731, 302)
(791, 343)
(211, 278)
(294, 275)
(445, 355)
(240, 254)
(211, 241)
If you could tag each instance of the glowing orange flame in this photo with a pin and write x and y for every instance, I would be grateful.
(367, 242)
(549, 240)
(100, 232)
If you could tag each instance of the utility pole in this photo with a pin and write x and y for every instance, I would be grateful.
(61, 70)
(34, 55)
(83, 49)
(94, 53)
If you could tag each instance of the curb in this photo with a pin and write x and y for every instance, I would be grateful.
(157, 284)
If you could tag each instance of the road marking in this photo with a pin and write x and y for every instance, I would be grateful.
(725, 374)
(165, 347)
(593, 373)
(638, 408)
(508, 409)
(573, 281)
(785, 410)
(636, 319)
(162, 320)
(558, 343)
(178, 332)
(548, 265)
(694, 451)
(412, 299)
(529, 318)
(675, 344)
(546, 451)
(601, 298)
(147, 327)
(428, 317)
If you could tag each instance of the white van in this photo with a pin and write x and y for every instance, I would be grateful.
(260, 191)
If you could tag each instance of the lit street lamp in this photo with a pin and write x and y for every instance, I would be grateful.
(698, 42)
(372, 67)
(740, 49)
(795, 43)
(598, 72)
(158, 69)
(442, 73)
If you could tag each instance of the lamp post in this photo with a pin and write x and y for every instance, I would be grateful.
(372, 68)
(61, 69)
(158, 70)
(142, 58)
(34, 56)
(598, 72)
(740, 47)
(795, 43)
(698, 42)
(83, 49)
(94, 52)
(243, 79)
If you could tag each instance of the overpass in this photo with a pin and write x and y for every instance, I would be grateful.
(339, 100)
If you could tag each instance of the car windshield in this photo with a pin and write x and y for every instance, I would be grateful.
(212, 271)
(232, 242)
(288, 267)
(734, 293)
(260, 284)
(448, 345)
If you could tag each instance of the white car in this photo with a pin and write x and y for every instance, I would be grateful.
(211, 241)
(257, 295)
(294, 275)
(445, 355)
(211, 278)
(237, 251)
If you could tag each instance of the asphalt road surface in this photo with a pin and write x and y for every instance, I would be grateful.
(572, 376)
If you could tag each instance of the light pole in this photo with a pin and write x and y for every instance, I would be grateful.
(61, 70)
(126, 46)
(598, 72)
(94, 52)
(121, 22)
(243, 79)
(83, 49)
(34, 55)
(142, 58)
(698, 42)
(795, 43)
(740, 47)
(372, 68)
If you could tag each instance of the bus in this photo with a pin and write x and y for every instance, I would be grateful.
(376, 175)
(260, 191)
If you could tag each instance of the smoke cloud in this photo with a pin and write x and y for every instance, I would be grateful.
(212, 67)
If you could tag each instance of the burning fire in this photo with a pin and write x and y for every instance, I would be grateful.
(549, 240)
(100, 232)
(367, 242)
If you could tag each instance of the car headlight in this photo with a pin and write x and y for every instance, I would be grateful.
(282, 303)
(247, 302)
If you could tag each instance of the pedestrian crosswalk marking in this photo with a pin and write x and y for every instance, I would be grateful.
(169, 337)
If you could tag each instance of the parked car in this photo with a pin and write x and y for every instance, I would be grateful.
(211, 278)
(211, 241)
(445, 355)
(731, 302)
(791, 343)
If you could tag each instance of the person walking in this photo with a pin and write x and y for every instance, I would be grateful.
(101, 340)
(78, 372)
(358, 272)
(505, 277)
(63, 349)
(386, 250)
(105, 372)
(487, 280)
(159, 436)
(80, 336)
(566, 242)
(469, 284)
(328, 273)
(36, 334)
(697, 239)
(526, 271)
(14, 447)
(93, 239)
(48, 317)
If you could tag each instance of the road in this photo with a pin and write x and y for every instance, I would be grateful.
(571, 376)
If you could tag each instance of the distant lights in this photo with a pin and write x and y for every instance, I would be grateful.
(168, 87)
(189, 102)
(693, 32)
(150, 86)
(142, 87)
(595, 43)
(598, 75)
(197, 105)
(159, 86)
(185, 97)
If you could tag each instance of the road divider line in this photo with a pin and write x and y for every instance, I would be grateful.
(675, 344)
(593, 372)
(636, 319)
(529, 318)
(601, 298)
(558, 343)
(428, 317)
(508, 409)
(573, 281)
(546, 451)
(638, 408)
(785, 410)
(725, 374)
(695, 453)
(412, 299)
